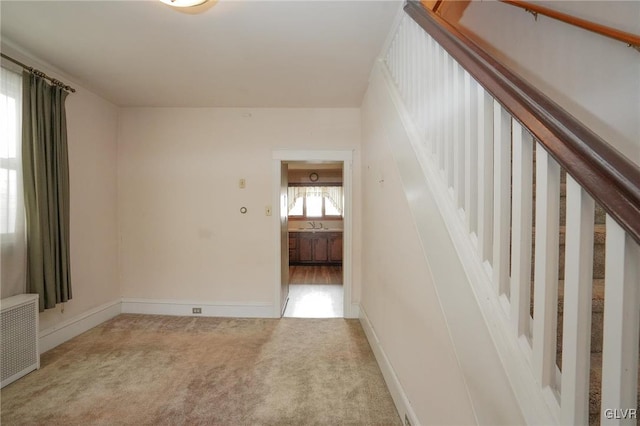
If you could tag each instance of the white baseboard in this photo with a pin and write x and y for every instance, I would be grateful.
(355, 311)
(67, 330)
(405, 411)
(184, 308)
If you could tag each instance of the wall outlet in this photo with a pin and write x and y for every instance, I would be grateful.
(196, 310)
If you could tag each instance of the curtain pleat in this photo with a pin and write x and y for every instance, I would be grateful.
(46, 186)
(333, 193)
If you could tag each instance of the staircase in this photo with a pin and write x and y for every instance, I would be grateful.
(545, 207)
(597, 305)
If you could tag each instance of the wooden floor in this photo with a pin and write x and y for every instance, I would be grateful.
(320, 274)
(315, 301)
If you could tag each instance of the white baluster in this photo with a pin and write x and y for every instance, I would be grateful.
(576, 333)
(395, 58)
(621, 327)
(522, 227)
(433, 97)
(401, 59)
(485, 175)
(470, 152)
(458, 117)
(446, 102)
(546, 267)
(411, 80)
(440, 103)
(419, 76)
(502, 197)
(424, 101)
(428, 96)
(392, 59)
(407, 61)
(424, 81)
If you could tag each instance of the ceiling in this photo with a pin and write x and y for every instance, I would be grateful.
(235, 54)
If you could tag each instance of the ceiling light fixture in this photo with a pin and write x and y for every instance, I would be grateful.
(184, 3)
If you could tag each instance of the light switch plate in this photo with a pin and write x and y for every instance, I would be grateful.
(267, 210)
(243, 183)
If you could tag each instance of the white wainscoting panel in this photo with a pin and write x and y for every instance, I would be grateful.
(67, 330)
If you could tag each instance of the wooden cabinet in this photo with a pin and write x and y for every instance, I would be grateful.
(335, 247)
(315, 247)
(305, 248)
(293, 247)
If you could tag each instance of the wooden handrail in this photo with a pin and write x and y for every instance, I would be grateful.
(632, 40)
(607, 175)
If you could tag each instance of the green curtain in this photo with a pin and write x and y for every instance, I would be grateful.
(46, 190)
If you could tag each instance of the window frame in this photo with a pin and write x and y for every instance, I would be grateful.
(324, 216)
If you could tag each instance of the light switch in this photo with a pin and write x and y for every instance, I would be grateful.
(267, 211)
(243, 183)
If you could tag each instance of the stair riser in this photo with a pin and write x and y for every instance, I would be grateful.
(598, 262)
(599, 216)
(596, 332)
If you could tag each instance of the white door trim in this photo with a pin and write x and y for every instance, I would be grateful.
(346, 157)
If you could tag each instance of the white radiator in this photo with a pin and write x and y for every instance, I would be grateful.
(18, 337)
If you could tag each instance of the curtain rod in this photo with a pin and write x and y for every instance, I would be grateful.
(40, 73)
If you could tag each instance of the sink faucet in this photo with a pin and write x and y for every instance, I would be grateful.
(313, 225)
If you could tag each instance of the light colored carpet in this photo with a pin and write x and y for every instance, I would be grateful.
(146, 369)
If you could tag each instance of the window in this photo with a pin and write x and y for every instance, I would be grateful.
(316, 202)
(12, 218)
(11, 212)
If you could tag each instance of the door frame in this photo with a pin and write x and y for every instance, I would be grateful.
(346, 158)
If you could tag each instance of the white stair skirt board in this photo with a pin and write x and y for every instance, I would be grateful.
(67, 330)
(208, 309)
(405, 411)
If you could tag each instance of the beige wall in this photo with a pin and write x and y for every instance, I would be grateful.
(182, 235)
(593, 77)
(92, 126)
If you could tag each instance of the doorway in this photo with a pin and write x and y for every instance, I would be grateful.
(313, 277)
(315, 239)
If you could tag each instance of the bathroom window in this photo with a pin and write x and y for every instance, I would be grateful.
(316, 202)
